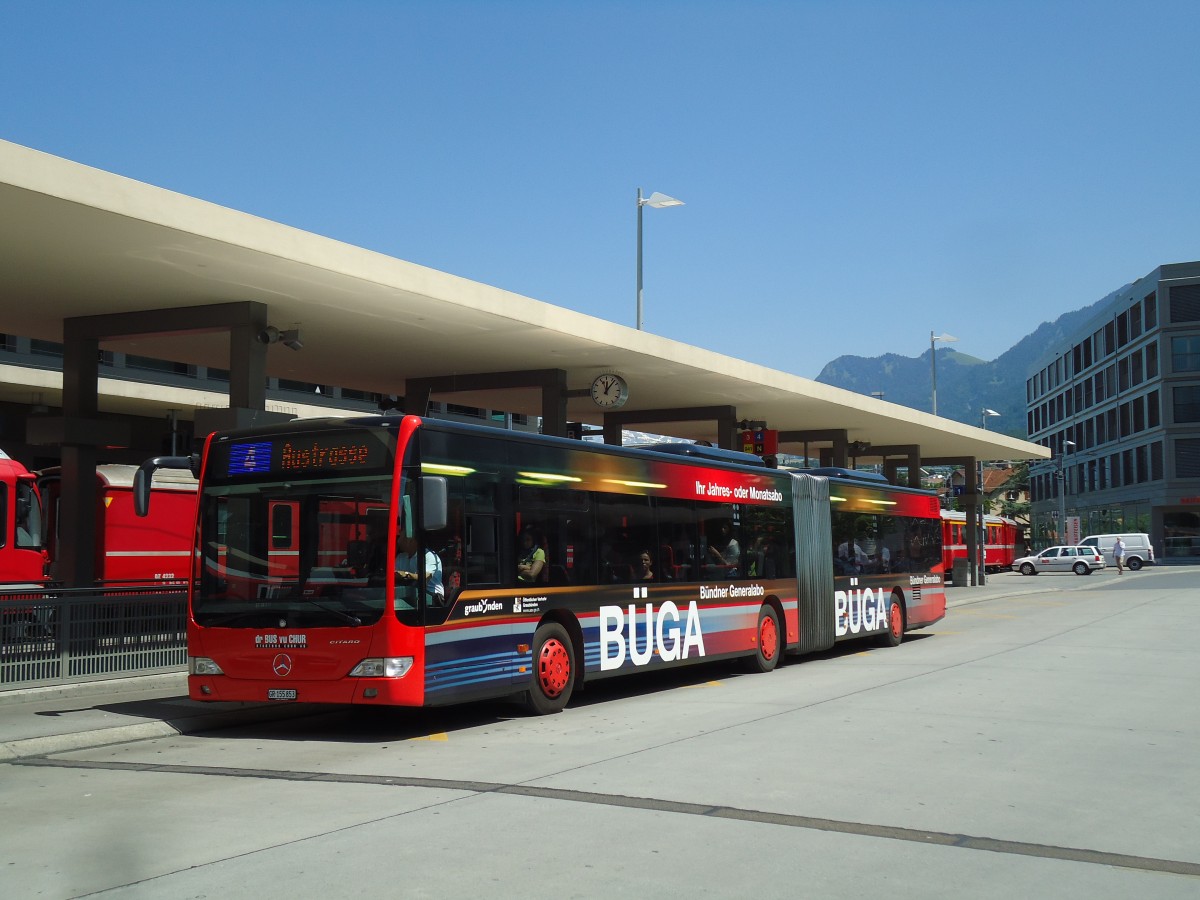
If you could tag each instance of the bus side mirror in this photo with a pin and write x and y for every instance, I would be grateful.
(435, 503)
(141, 491)
(143, 477)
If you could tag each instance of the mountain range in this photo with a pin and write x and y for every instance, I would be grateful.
(966, 385)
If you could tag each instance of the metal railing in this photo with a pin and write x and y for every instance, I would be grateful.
(62, 635)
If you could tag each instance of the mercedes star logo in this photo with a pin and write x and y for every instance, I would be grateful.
(282, 664)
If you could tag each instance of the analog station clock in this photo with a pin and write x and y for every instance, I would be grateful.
(609, 391)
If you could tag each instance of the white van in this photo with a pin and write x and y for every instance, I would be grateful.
(1138, 551)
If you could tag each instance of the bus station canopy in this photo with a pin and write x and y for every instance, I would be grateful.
(79, 242)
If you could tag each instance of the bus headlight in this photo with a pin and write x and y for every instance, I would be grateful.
(387, 667)
(202, 665)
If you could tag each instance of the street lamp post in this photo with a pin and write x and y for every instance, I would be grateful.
(655, 201)
(1062, 492)
(946, 338)
(980, 508)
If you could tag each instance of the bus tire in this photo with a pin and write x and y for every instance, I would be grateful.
(768, 643)
(553, 669)
(895, 623)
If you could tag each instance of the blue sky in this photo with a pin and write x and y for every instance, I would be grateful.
(856, 174)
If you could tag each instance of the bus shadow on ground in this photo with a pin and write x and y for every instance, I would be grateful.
(367, 725)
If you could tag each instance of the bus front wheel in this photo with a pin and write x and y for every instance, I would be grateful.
(553, 669)
(768, 644)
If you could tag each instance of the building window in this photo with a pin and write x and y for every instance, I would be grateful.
(1185, 304)
(148, 364)
(1186, 401)
(45, 348)
(1185, 353)
(1187, 458)
(301, 387)
(1152, 360)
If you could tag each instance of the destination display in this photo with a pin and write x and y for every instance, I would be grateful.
(300, 456)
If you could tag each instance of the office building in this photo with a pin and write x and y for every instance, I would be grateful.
(1118, 405)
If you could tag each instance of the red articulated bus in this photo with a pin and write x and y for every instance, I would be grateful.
(1004, 543)
(394, 560)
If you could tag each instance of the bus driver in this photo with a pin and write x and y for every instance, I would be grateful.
(407, 569)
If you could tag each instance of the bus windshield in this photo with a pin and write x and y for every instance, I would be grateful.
(287, 529)
(292, 554)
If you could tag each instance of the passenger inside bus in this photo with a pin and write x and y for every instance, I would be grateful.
(532, 561)
(762, 558)
(724, 550)
(645, 567)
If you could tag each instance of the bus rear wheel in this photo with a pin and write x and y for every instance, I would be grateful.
(895, 623)
(553, 669)
(768, 644)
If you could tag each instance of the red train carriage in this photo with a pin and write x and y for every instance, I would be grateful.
(1003, 544)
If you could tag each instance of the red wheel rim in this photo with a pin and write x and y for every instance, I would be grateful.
(768, 637)
(554, 668)
(897, 620)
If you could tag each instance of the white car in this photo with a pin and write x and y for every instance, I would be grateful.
(1080, 560)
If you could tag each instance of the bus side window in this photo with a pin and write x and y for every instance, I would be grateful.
(481, 557)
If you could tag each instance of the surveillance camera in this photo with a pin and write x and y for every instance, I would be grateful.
(291, 339)
(269, 335)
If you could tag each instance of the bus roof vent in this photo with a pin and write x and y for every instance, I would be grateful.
(848, 474)
(700, 451)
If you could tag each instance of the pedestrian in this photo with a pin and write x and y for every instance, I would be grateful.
(1119, 555)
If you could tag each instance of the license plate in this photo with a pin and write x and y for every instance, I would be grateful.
(281, 694)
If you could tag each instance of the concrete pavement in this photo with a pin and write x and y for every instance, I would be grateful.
(43, 721)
